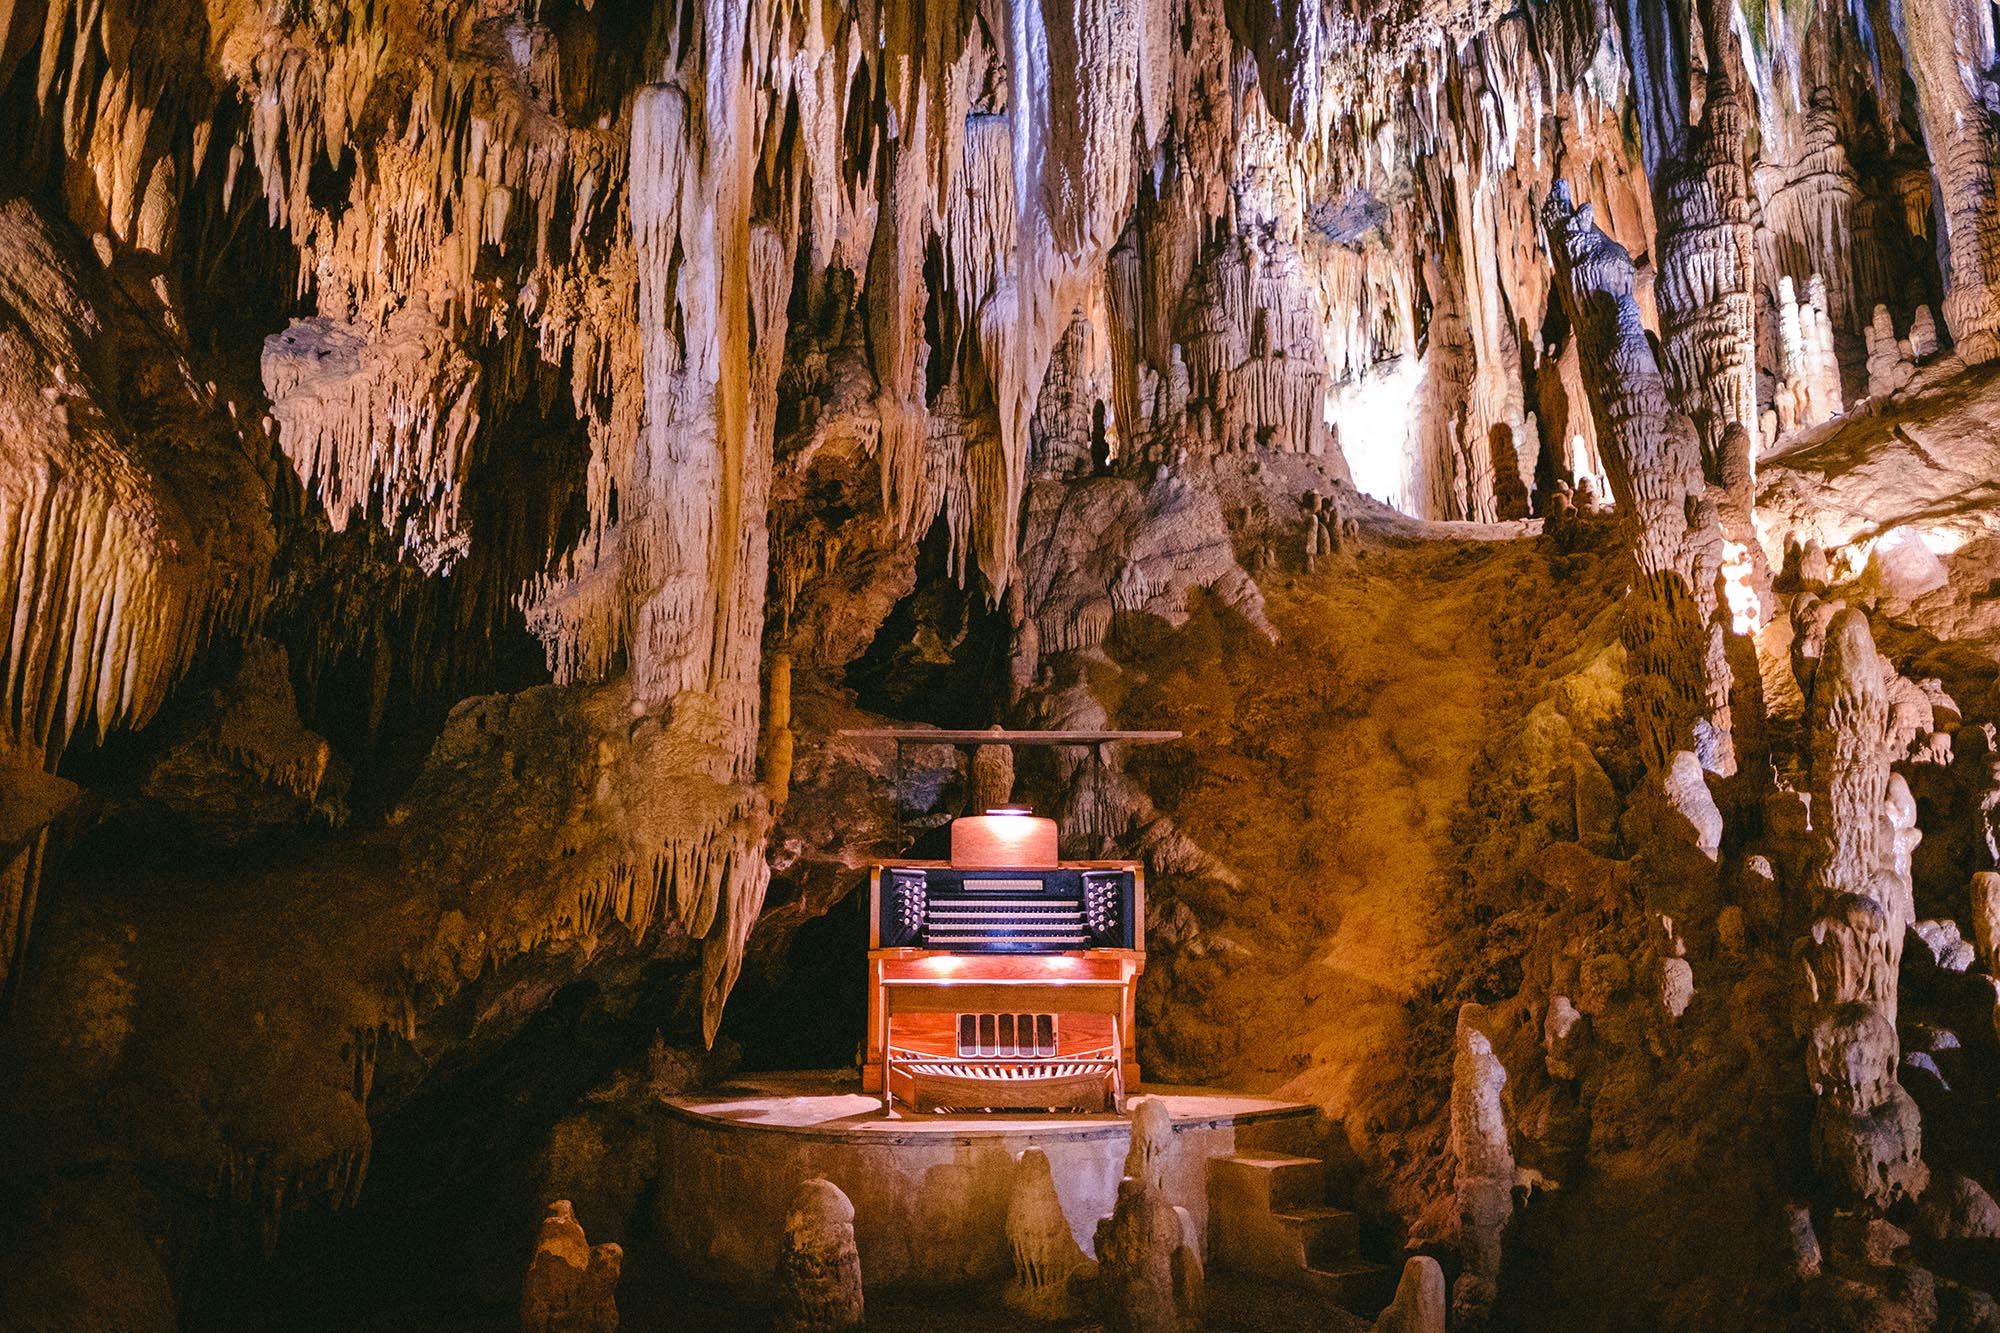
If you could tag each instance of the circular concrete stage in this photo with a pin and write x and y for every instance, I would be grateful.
(929, 1191)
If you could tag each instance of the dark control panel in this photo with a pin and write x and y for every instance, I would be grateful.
(1007, 911)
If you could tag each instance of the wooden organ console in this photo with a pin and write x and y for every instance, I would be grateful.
(1004, 977)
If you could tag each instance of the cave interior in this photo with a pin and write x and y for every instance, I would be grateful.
(1462, 538)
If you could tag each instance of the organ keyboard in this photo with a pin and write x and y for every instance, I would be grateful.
(1003, 986)
(1006, 911)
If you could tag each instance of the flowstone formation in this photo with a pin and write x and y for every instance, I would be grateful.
(462, 466)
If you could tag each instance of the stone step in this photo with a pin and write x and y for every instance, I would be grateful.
(1265, 1182)
(1327, 1237)
(1268, 1216)
(1355, 1284)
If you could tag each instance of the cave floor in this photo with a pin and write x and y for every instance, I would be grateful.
(1235, 1305)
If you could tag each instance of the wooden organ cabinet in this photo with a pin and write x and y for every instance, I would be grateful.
(1003, 978)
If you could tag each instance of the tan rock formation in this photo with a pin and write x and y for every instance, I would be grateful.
(1484, 1165)
(571, 1286)
(1045, 1253)
(819, 1270)
(1865, 1131)
(1420, 1303)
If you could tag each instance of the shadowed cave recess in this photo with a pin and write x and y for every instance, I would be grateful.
(1481, 521)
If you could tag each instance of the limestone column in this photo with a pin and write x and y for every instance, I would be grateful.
(1958, 134)
(1680, 683)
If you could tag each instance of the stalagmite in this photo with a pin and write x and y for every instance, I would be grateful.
(992, 777)
(1149, 1259)
(1923, 334)
(819, 1270)
(1889, 367)
(1986, 919)
(1420, 1303)
(1484, 1165)
(1681, 680)
(571, 1285)
(1045, 1253)
(1152, 1139)
(1865, 1131)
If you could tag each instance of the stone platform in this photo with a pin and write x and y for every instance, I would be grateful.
(929, 1191)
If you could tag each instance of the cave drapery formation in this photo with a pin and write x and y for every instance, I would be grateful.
(488, 438)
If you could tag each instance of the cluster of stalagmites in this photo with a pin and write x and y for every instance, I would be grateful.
(1147, 1276)
(1824, 862)
(1808, 390)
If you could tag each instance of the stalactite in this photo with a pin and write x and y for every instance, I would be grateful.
(1680, 680)
(1256, 368)
(1456, 474)
(896, 320)
(1707, 281)
(125, 547)
(379, 421)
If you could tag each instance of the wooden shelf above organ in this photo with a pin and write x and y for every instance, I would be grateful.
(1003, 979)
